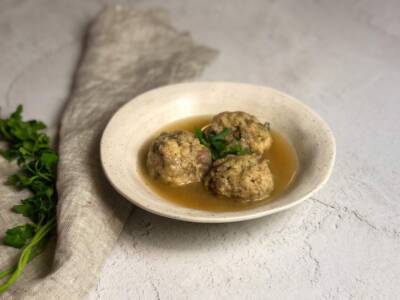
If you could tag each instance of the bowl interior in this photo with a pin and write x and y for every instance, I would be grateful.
(139, 119)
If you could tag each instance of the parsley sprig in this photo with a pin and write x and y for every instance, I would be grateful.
(37, 160)
(219, 145)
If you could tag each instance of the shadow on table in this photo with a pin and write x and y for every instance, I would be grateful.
(160, 232)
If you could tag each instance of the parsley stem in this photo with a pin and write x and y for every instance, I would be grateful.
(27, 255)
(6, 272)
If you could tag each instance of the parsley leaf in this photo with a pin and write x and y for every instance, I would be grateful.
(19, 236)
(200, 135)
(235, 149)
(219, 145)
(31, 149)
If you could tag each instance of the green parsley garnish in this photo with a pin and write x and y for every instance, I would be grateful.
(218, 144)
(37, 160)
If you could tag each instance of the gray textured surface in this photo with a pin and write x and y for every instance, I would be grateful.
(342, 58)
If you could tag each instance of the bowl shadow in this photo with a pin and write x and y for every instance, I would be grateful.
(152, 231)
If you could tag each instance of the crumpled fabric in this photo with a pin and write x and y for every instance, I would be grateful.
(127, 52)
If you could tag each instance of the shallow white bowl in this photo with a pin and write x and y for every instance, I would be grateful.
(140, 118)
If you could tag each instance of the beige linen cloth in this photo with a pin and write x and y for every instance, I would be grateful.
(128, 52)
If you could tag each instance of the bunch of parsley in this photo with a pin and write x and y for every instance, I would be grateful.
(37, 161)
(219, 145)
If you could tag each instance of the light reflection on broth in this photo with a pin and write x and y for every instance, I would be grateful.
(283, 165)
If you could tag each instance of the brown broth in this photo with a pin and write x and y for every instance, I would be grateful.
(283, 165)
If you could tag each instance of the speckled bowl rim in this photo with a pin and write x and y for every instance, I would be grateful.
(180, 213)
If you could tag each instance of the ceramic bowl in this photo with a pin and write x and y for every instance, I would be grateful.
(140, 118)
